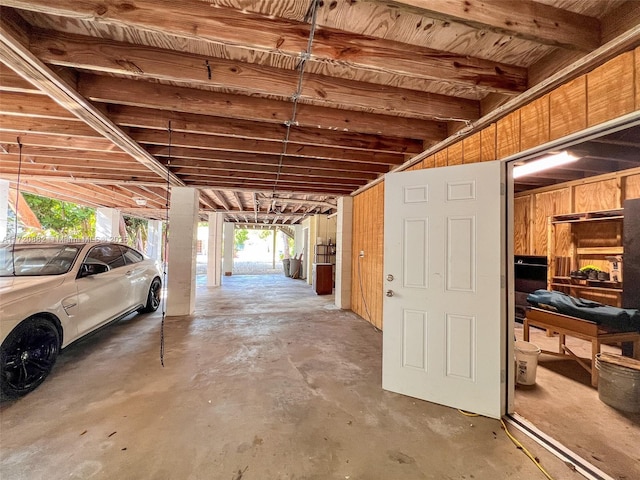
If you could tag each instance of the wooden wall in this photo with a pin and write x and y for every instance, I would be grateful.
(532, 208)
(368, 226)
(605, 93)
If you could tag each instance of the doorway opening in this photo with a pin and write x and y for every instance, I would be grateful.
(569, 220)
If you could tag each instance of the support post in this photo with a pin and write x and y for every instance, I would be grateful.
(214, 250)
(228, 241)
(344, 252)
(274, 232)
(183, 236)
(154, 240)
(107, 223)
(4, 209)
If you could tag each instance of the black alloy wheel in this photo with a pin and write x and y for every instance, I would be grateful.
(153, 298)
(27, 356)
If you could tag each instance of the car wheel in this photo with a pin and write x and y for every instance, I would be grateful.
(27, 356)
(153, 298)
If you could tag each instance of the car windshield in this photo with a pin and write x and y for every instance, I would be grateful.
(35, 260)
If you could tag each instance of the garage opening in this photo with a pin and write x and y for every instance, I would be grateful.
(575, 254)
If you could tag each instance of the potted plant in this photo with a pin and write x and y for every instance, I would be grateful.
(591, 271)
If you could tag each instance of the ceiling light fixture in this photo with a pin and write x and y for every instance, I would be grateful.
(544, 163)
(141, 202)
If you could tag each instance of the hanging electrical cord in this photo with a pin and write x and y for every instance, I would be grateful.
(364, 300)
(166, 243)
(15, 223)
(311, 17)
(516, 442)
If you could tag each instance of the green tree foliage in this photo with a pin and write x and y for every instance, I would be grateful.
(264, 234)
(62, 219)
(241, 236)
(137, 230)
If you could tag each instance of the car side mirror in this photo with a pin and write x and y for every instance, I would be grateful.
(92, 268)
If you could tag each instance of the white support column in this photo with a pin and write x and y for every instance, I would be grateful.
(275, 233)
(107, 223)
(344, 256)
(4, 209)
(228, 240)
(183, 236)
(154, 240)
(214, 250)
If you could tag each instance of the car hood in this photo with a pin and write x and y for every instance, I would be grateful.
(15, 288)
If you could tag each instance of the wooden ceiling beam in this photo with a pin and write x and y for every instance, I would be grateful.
(131, 193)
(19, 124)
(244, 145)
(166, 97)
(23, 62)
(79, 164)
(238, 200)
(524, 19)
(148, 118)
(98, 195)
(93, 180)
(10, 81)
(60, 154)
(297, 201)
(71, 173)
(31, 105)
(207, 200)
(156, 192)
(59, 142)
(63, 194)
(267, 177)
(257, 185)
(239, 168)
(222, 25)
(140, 62)
(191, 154)
(220, 198)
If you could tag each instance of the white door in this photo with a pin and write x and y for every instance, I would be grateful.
(444, 334)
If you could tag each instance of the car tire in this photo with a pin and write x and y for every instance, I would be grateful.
(27, 356)
(153, 297)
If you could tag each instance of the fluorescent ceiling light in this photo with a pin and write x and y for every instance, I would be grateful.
(544, 163)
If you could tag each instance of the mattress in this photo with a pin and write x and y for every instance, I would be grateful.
(621, 319)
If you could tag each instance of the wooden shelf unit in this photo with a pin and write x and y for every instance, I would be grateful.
(588, 238)
(325, 254)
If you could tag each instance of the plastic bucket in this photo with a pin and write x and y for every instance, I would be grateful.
(526, 362)
(618, 386)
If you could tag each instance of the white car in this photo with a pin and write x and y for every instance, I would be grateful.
(52, 294)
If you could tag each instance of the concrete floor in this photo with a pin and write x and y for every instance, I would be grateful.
(266, 381)
(564, 405)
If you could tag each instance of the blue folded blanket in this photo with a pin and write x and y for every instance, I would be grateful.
(622, 319)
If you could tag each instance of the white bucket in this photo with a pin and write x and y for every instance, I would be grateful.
(526, 362)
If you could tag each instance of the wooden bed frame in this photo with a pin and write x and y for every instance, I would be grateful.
(565, 325)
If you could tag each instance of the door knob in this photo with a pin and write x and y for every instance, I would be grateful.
(389, 293)
(390, 278)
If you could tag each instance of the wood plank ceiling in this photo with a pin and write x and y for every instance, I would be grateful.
(271, 108)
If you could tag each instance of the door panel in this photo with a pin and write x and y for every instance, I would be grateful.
(443, 337)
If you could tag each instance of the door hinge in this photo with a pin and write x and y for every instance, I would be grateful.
(503, 281)
(503, 376)
(503, 188)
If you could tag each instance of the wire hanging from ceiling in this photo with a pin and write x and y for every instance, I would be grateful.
(311, 17)
(165, 240)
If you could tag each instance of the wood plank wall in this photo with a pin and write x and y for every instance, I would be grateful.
(532, 208)
(366, 272)
(605, 93)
